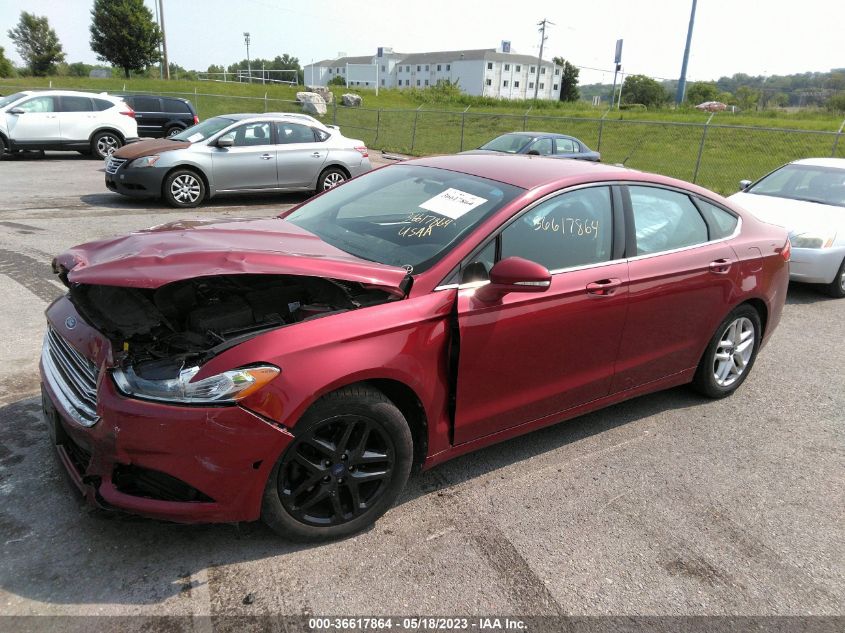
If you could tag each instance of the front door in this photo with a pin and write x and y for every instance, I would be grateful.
(301, 154)
(250, 163)
(528, 356)
(38, 125)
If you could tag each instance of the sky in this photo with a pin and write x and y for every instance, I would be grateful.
(757, 37)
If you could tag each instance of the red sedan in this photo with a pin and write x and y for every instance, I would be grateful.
(296, 368)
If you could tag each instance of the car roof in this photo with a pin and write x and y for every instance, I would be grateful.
(523, 170)
(529, 133)
(838, 163)
(69, 93)
(123, 95)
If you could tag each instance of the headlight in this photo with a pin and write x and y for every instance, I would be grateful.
(811, 240)
(145, 161)
(228, 387)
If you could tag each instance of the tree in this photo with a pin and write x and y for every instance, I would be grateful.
(568, 80)
(124, 34)
(702, 91)
(37, 44)
(644, 90)
(6, 68)
(747, 98)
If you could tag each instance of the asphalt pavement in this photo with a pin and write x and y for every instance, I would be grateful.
(668, 504)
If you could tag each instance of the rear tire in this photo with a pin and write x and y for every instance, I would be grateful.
(173, 130)
(350, 459)
(3, 147)
(730, 355)
(836, 288)
(183, 189)
(331, 178)
(105, 143)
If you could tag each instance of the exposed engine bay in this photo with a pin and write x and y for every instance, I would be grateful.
(158, 331)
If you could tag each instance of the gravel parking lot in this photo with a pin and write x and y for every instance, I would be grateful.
(665, 505)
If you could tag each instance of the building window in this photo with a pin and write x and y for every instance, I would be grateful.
(418, 69)
(533, 70)
(489, 82)
(530, 85)
(382, 82)
(426, 68)
(426, 82)
(518, 68)
(438, 67)
(507, 66)
(542, 86)
(516, 84)
(418, 82)
(330, 71)
(555, 87)
(448, 66)
(543, 70)
(489, 65)
(382, 68)
(557, 71)
(505, 83)
(407, 69)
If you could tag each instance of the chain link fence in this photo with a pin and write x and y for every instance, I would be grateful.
(715, 156)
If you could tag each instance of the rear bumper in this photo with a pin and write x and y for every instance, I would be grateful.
(815, 265)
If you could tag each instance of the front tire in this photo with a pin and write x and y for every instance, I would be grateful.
(730, 354)
(350, 459)
(183, 189)
(331, 178)
(104, 144)
(3, 147)
(836, 288)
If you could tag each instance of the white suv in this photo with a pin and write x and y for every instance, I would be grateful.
(63, 120)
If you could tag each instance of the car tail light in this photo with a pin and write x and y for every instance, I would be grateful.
(196, 119)
(130, 112)
(363, 151)
(786, 252)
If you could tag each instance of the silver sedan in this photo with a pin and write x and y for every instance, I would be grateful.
(237, 153)
(808, 198)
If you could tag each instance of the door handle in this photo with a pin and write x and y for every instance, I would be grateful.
(265, 157)
(316, 154)
(720, 266)
(604, 287)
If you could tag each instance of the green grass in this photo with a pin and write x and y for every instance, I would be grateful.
(663, 141)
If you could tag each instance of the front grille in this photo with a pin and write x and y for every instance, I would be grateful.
(114, 164)
(152, 484)
(72, 377)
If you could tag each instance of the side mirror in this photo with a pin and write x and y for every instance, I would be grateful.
(744, 184)
(532, 152)
(17, 111)
(515, 274)
(225, 141)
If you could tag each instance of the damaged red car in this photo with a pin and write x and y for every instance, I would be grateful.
(295, 369)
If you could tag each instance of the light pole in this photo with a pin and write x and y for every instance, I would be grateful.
(248, 65)
(682, 82)
(543, 38)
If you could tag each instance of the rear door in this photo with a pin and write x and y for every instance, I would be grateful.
(38, 124)
(681, 281)
(566, 148)
(250, 163)
(148, 115)
(77, 119)
(531, 355)
(302, 151)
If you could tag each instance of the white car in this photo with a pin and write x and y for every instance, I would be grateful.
(88, 123)
(807, 197)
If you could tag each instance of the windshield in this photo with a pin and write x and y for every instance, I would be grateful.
(510, 143)
(204, 130)
(804, 182)
(4, 101)
(403, 215)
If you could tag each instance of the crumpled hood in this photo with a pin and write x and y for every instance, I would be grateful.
(190, 249)
(148, 147)
(796, 216)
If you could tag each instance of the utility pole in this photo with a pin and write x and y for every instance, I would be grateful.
(542, 30)
(165, 64)
(682, 82)
(248, 66)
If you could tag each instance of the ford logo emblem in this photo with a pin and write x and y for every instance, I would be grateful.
(70, 322)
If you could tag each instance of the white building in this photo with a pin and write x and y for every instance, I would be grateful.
(484, 72)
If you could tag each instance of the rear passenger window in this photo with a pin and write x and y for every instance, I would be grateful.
(294, 133)
(665, 220)
(146, 104)
(566, 146)
(572, 229)
(76, 104)
(175, 106)
(722, 223)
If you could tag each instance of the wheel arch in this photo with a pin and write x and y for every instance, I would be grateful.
(336, 165)
(762, 309)
(191, 167)
(107, 128)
